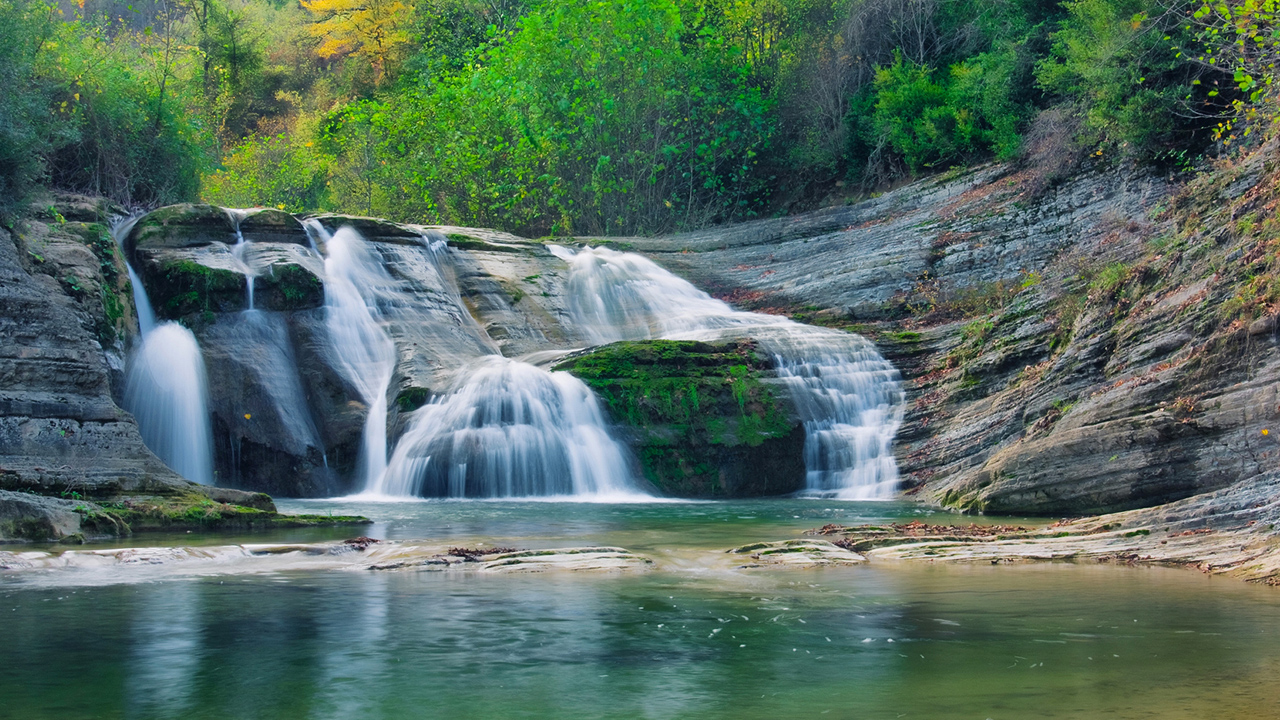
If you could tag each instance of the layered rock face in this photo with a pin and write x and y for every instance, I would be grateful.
(1066, 353)
(286, 419)
(65, 318)
(199, 264)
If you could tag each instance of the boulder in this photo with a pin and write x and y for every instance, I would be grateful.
(273, 226)
(181, 226)
(703, 419)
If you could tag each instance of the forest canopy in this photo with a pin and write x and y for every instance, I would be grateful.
(606, 117)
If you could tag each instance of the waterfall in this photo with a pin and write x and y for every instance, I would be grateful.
(238, 251)
(849, 397)
(503, 428)
(359, 346)
(165, 387)
(509, 429)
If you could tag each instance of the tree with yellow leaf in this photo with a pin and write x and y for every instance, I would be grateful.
(375, 29)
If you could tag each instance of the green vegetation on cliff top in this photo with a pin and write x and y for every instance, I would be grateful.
(609, 117)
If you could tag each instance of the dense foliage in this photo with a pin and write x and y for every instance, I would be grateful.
(609, 116)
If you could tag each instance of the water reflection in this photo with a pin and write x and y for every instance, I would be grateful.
(866, 642)
(164, 651)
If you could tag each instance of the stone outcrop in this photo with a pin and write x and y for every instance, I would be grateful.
(1059, 359)
(704, 419)
(65, 319)
(1056, 362)
(285, 420)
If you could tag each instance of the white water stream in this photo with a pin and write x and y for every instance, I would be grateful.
(238, 252)
(360, 348)
(166, 389)
(509, 429)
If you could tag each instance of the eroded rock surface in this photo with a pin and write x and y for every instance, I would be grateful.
(64, 323)
(796, 554)
(141, 564)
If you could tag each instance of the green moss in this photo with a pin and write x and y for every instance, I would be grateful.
(412, 398)
(32, 529)
(466, 242)
(185, 287)
(685, 396)
(291, 287)
(196, 512)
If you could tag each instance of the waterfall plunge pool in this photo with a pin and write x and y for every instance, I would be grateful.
(685, 640)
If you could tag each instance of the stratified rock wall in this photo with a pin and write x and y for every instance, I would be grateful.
(63, 326)
(1057, 361)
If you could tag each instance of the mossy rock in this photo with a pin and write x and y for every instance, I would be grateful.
(182, 287)
(287, 287)
(181, 226)
(114, 291)
(466, 242)
(412, 398)
(199, 512)
(271, 225)
(698, 415)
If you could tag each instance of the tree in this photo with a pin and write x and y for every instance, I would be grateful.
(374, 29)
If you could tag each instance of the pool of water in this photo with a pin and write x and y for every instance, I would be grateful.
(685, 640)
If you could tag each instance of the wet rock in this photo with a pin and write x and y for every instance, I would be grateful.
(703, 419)
(182, 283)
(577, 559)
(288, 284)
(62, 435)
(372, 229)
(33, 518)
(181, 226)
(796, 554)
(273, 226)
(1230, 532)
(265, 438)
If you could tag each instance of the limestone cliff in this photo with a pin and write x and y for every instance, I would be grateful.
(68, 453)
(1105, 345)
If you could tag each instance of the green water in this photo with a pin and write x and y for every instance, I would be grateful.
(683, 641)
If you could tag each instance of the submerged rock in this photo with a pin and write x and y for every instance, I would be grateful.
(796, 554)
(141, 564)
(586, 558)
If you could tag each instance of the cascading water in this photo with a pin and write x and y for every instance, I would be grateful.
(509, 429)
(359, 346)
(238, 251)
(165, 387)
(849, 397)
(504, 429)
